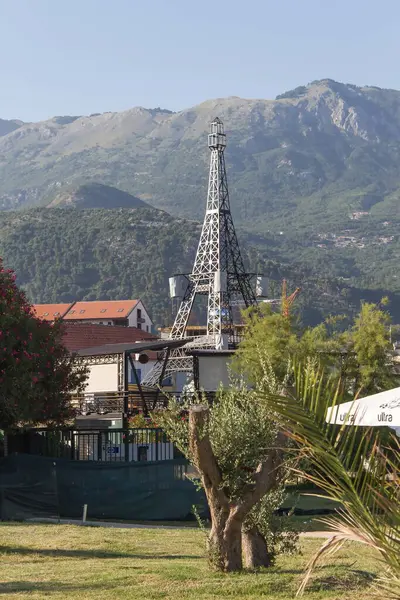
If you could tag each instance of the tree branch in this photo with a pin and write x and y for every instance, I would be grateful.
(202, 452)
(265, 479)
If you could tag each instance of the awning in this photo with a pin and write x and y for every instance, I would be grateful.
(137, 348)
(378, 410)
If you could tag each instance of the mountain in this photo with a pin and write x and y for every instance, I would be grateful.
(8, 126)
(326, 148)
(94, 195)
(87, 254)
(314, 175)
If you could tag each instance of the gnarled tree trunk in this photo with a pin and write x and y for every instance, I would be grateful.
(255, 549)
(225, 539)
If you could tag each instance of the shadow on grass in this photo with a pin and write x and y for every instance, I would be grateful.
(16, 587)
(91, 553)
(350, 581)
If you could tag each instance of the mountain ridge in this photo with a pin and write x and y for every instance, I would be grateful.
(315, 172)
(299, 144)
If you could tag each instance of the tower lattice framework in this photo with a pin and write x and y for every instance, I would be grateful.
(218, 270)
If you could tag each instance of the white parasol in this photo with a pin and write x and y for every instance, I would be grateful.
(378, 410)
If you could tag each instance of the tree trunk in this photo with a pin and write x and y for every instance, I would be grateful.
(255, 550)
(225, 548)
(225, 540)
(232, 546)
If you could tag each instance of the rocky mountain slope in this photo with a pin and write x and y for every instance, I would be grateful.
(8, 126)
(321, 151)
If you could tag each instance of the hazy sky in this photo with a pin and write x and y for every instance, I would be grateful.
(74, 57)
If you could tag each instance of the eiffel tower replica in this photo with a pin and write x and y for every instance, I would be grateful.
(218, 272)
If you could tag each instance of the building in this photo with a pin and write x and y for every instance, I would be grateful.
(128, 313)
(113, 390)
(51, 312)
(97, 343)
(78, 336)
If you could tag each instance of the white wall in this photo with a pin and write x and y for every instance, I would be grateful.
(213, 372)
(101, 322)
(102, 378)
(133, 317)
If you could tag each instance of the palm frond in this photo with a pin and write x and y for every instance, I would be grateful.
(349, 463)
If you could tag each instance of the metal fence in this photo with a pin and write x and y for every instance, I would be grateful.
(102, 445)
(129, 403)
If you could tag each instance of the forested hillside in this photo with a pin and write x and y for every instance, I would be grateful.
(72, 254)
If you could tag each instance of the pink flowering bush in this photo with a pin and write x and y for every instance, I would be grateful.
(37, 373)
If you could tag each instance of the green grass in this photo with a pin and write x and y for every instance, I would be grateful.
(87, 563)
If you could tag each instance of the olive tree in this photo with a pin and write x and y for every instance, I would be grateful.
(239, 454)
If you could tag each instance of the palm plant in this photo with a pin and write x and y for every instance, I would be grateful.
(351, 465)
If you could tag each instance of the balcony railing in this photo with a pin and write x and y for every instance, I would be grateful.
(129, 403)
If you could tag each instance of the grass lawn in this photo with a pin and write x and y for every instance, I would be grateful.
(88, 563)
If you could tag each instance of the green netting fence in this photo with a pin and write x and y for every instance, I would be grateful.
(44, 487)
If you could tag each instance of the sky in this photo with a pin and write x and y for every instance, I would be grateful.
(77, 57)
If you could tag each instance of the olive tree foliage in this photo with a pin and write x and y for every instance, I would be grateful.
(239, 454)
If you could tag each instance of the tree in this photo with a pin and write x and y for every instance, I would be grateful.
(236, 448)
(360, 355)
(370, 350)
(274, 333)
(37, 374)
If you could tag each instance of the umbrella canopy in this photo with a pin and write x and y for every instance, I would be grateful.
(378, 410)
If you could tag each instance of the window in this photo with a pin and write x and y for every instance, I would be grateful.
(109, 323)
(103, 310)
(147, 328)
(120, 310)
(81, 312)
(45, 314)
(139, 313)
(71, 312)
(167, 382)
(57, 314)
(133, 378)
(139, 326)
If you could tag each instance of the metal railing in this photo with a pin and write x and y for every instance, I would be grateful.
(100, 445)
(129, 403)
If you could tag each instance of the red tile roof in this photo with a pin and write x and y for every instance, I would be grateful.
(101, 309)
(77, 336)
(50, 312)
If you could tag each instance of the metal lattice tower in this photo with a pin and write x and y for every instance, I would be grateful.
(218, 270)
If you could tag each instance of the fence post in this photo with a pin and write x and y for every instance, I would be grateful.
(125, 435)
(99, 446)
(72, 445)
(157, 444)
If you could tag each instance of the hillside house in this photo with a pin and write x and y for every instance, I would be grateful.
(127, 313)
